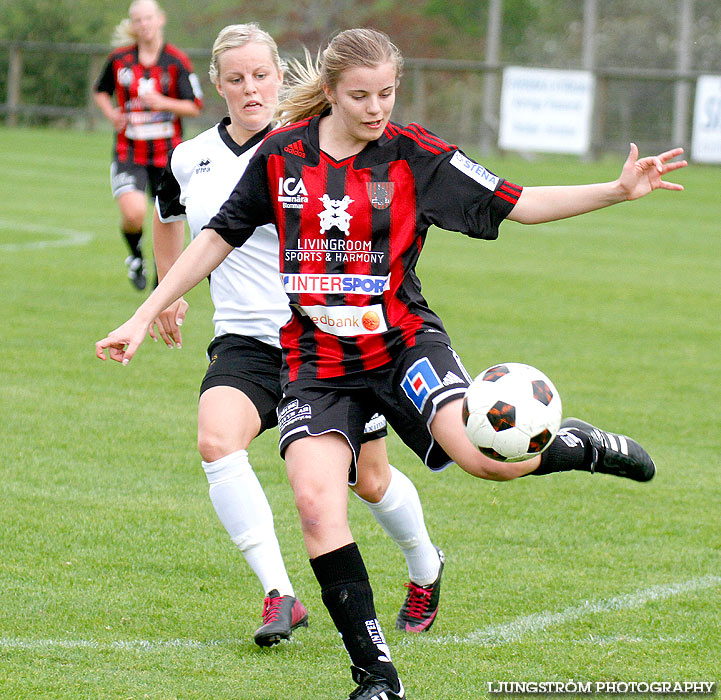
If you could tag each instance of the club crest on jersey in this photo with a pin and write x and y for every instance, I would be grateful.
(380, 194)
(335, 214)
(420, 380)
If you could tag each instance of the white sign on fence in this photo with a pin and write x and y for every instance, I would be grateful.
(546, 110)
(706, 138)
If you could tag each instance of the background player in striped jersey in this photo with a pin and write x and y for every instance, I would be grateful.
(154, 86)
(345, 349)
(241, 389)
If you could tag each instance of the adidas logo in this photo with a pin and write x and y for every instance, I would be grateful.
(295, 149)
(451, 378)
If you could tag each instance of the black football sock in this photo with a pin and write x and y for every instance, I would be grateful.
(347, 594)
(133, 239)
(570, 449)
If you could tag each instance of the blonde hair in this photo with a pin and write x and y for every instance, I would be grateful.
(354, 47)
(123, 33)
(235, 35)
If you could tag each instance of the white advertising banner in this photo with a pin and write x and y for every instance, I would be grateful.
(546, 110)
(706, 138)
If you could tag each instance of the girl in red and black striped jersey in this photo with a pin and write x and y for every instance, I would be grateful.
(154, 86)
(241, 388)
(353, 195)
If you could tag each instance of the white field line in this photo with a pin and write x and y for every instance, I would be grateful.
(515, 630)
(58, 236)
(130, 645)
(493, 635)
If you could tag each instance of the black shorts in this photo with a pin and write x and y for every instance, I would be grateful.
(408, 390)
(250, 366)
(127, 177)
(253, 367)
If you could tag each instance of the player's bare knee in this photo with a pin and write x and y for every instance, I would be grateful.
(370, 489)
(213, 446)
(132, 214)
(310, 512)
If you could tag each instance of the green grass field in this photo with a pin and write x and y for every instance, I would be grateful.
(118, 582)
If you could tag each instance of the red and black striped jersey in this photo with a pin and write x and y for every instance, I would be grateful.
(149, 135)
(351, 232)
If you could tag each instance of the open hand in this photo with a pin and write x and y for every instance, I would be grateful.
(643, 175)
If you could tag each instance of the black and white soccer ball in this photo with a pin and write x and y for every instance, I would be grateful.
(511, 412)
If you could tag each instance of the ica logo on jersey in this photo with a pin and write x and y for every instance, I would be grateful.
(292, 192)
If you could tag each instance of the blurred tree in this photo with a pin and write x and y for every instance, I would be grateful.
(537, 32)
(467, 20)
(53, 78)
(312, 23)
(640, 33)
(51, 20)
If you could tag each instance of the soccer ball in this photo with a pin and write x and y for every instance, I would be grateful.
(511, 412)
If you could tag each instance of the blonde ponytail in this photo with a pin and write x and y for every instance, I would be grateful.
(353, 47)
(304, 96)
(123, 34)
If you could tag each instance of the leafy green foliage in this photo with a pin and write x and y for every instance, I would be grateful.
(53, 20)
(51, 78)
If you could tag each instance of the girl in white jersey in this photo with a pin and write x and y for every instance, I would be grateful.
(241, 389)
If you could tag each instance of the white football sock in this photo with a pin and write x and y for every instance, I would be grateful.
(241, 505)
(400, 514)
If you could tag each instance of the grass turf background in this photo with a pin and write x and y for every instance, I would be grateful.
(118, 581)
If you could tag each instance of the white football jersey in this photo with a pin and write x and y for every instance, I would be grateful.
(246, 288)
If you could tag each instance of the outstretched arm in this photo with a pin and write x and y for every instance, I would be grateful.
(638, 177)
(198, 260)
